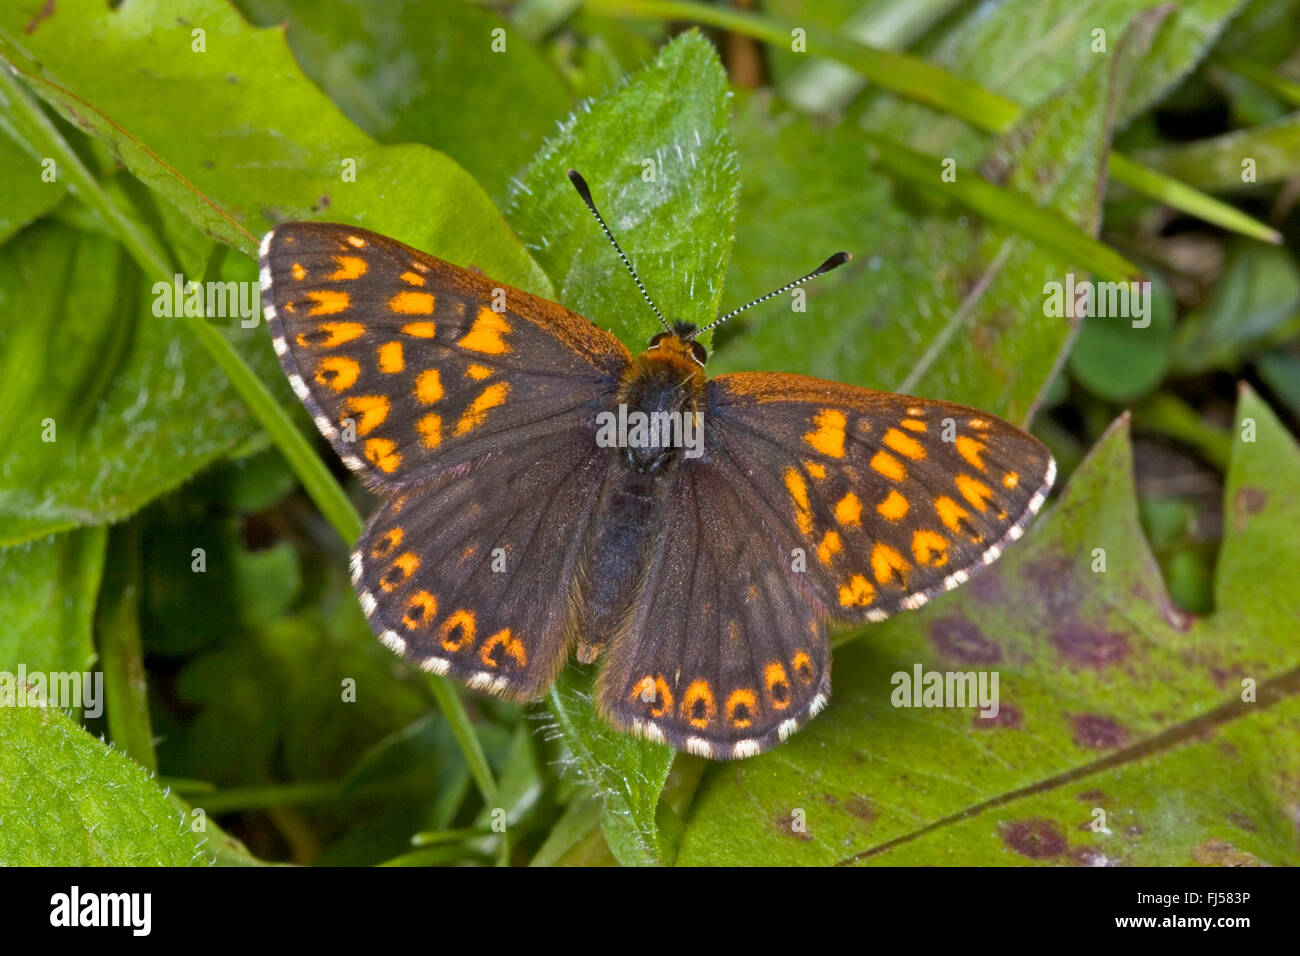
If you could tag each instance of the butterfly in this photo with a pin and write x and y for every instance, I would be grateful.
(546, 493)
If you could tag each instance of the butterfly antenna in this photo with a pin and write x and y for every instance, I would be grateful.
(584, 191)
(834, 262)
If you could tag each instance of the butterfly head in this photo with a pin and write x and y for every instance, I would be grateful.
(680, 342)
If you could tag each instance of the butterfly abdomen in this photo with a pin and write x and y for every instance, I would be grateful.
(622, 533)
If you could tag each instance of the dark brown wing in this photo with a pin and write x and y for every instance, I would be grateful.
(411, 366)
(892, 499)
(725, 653)
(471, 577)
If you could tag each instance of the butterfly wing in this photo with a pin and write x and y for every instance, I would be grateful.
(813, 501)
(892, 499)
(471, 578)
(724, 654)
(411, 366)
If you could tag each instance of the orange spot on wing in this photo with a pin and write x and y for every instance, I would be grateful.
(830, 546)
(413, 278)
(930, 549)
(828, 436)
(328, 302)
(428, 386)
(500, 646)
(349, 267)
(913, 424)
(457, 632)
(337, 372)
(356, 242)
(298, 271)
(742, 706)
(798, 489)
(698, 705)
(485, 335)
(419, 330)
(815, 469)
(478, 372)
(889, 466)
(888, 565)
(430, 429)
(954, 516)
(857, 593)
(476, 414)
(412, 303)
(373, 409)
(803, 666)
(974, 491)
(391, 358)
(848, 511)
(894, 507)
(403, 566)
(653, 690)
(905, 445)
(383, 454)
(328, 335)
(778, 685)
(387, 543)
(970, 449)
(1010, 479)
(420, 611)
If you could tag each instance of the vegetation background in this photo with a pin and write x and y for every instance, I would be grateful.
(1099, 137)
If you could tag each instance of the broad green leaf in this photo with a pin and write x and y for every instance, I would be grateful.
(1236, 160)
(1119, 360)
(937, 303)
(415, 72)
(1005, 48)
(48, 589)
(24, 194)
(68, 800)
(1219, 797)
(217, 118)
(99, 411)
(658, 156)
(1256, 300)
(626, 772)
(1097, 669)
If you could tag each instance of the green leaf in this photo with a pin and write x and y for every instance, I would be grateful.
(1256, 301)
(1218, 163)
(132, 413)
(1005, 49)
(414, 72)
(47, 601)
(1119, 361)
(239, 139)
(1097, 671)
(937, 304)
(935, 86)
(658, 156)
(68, 800)
(626, 772)
(24, 195)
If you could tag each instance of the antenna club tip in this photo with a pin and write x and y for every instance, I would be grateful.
(580, 184)
(838, 259)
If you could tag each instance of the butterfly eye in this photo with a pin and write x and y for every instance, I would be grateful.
(699, 352)
(654, 342)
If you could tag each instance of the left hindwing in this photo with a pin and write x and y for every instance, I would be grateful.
(412, 366)
(886, 500)
(472, 577)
